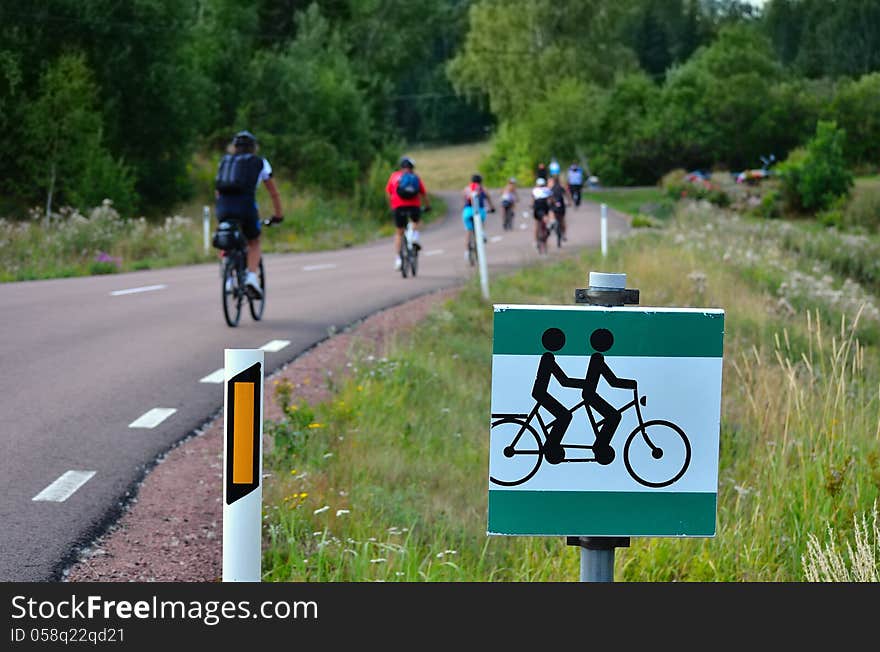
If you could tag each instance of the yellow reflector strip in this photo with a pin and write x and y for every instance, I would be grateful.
(243, 434)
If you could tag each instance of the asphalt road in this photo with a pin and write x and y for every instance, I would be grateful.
(84, 360)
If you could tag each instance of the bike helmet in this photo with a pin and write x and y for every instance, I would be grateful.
(407, 162)
(244, 138)
(541, 181)
(477, 178)
(512, 180)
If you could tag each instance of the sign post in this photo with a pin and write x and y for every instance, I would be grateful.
(603, 230)
(605, 421)
(242, 465)
(481, 246)
(206, 228)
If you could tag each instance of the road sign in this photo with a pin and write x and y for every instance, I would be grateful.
(635, 395)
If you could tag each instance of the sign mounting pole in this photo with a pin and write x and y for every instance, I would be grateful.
(597, 553)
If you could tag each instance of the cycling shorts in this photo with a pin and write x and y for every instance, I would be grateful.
(403, 214)
(540, 210)
(241, 209)
(467, 216)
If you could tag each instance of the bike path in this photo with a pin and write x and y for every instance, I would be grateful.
(102, 375)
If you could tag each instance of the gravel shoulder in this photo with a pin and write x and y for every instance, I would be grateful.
(171, 531)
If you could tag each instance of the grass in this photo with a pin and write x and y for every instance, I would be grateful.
(387, 481)
(449, 167)
(633, 201)
(102, 241)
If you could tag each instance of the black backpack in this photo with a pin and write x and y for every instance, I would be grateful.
(238, 174)
(408, 185)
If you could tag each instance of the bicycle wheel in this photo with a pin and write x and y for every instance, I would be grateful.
(404, 260)
(657, 454)
(414, 262)
(515, 452)
(258, 305)
(233, 290)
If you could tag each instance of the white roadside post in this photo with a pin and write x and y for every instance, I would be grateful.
(242, 464)
(604, 230)
(481, 247)
(206, 227)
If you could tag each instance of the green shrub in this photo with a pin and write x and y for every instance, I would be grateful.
(863, 209)
(815, 176)
(673, 183)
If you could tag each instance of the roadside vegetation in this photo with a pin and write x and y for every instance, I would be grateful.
(388, 480)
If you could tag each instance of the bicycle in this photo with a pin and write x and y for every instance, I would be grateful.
(543, 235)
(508, 215)
(233, 271)
(472, 248)
(409, 253)
(643, 453)
(554, 228)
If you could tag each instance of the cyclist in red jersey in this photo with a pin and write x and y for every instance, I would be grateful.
(406, 205)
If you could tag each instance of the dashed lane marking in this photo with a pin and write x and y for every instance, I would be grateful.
(496, 238)
(152, 418)
(433, 252)
(315, 268)
(64, 487)
(146, 288)
(216, 377)
(274, 345)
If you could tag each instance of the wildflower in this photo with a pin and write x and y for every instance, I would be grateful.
(321, 510)
(342, 512)
(378, 560)
(315, 424)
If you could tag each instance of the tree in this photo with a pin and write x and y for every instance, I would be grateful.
(64, 150)
(516, 51)
(814, 177)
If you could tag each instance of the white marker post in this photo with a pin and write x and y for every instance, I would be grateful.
(604, 229)
(481, 247)
(206, 227)
(242, 464)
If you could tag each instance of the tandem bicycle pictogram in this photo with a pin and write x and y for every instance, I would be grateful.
(656, 453)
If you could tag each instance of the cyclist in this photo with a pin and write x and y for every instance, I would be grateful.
(408, 200)
(509, 199)
(540, 208)
(553, 339)
(601, 340)
(575, 180)
(541, 171)
(238, 177)
(554, 167)
(474, 190)
(557, 203)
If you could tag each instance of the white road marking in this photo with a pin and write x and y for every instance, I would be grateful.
(274, 345)
(146, 288)
(433, 252)
(152, 418)
(217, 377)
(64, 487)
(496, 238)
(315, 268)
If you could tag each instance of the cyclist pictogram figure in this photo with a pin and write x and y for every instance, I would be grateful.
(601, 340)
(553, 339)
(656, 453)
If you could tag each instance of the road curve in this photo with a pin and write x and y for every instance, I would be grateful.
(103, 374)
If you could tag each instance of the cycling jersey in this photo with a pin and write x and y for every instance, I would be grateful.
(396, 200)
(476, 188)
(243, 207)
(575, 176)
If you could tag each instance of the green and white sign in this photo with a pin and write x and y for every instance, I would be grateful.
(605, 421)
